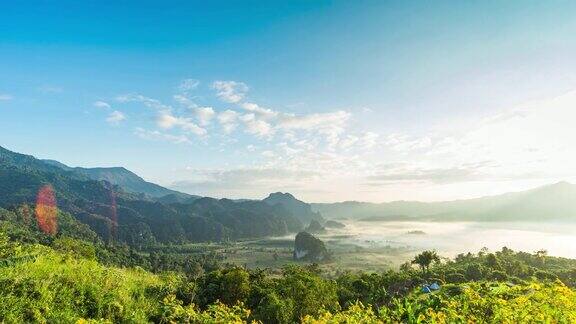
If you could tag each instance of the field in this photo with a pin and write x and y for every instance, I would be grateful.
(275, 252)
(376, 246)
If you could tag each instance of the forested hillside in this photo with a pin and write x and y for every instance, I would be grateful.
(126, 179)
(135, 218)
(71, 277)
(301, 210)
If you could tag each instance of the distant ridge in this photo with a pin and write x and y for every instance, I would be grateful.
(555, 202)
(126, 179)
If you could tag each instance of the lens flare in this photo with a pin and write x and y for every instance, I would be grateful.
(113, 212)
(46, 210)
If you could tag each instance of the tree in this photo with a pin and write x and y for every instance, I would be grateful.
(493, 262)
(273, 309)
(424, 259)
(309, 292)
(406, 267)
(235, 286)
(541, 255)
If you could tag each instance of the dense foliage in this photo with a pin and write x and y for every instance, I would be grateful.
(140, 220)
(113, 256)
(65, 279)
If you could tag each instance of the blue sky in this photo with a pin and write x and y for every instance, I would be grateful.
(330, 100)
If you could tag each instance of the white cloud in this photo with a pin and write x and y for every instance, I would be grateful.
(243, 182)
(411, 173)
(115, 117)
(229, 120)
(537, 136)
(230, 91)
(204, 115)
(265, 122)
(348, 141)
(315, 143)
(101, 104)
(166, 120)
(188, 85)
(261, 112)
(368, 140)
(185, 101)
(5, 97)
(404, 143)
(148, 102)
(315, 121)
(256, 126)
(160, 136)
(533, 140)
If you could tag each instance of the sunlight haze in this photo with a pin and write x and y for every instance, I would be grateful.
(331, 101)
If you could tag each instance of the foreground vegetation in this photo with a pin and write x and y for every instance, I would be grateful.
(67, 278)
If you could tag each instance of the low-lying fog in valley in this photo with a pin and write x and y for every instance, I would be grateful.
(452, 238)
(376, 245)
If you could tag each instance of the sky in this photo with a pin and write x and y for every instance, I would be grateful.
(329, 100)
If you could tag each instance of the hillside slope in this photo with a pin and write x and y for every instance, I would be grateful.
(124, 178)
(115, 214)
(301, 210)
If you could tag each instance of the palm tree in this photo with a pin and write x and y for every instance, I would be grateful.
(424, 259)
(541, 255)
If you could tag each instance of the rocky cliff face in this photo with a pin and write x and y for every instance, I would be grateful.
(309, 248)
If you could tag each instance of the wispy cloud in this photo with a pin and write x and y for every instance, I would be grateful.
(148, 102)
(160, 136)
(256, 126)
(214, 182)
(230, 91)
(204, 115)
(115, 117)
(229, 120)
(101, 104)
(188, 85)
(440, 175)
(166, 120)
(5, 97)
(285, 148)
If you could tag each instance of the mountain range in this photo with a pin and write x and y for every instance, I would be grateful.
(126, 179)
(119, 205)
(554, 202)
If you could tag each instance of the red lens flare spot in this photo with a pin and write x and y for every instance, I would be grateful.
(46, 210)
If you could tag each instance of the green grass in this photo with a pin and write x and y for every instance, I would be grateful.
(59, 288)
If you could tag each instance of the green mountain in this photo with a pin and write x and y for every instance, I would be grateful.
(301, 210)
(555, 202)
(126, 179)
(134, 218)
